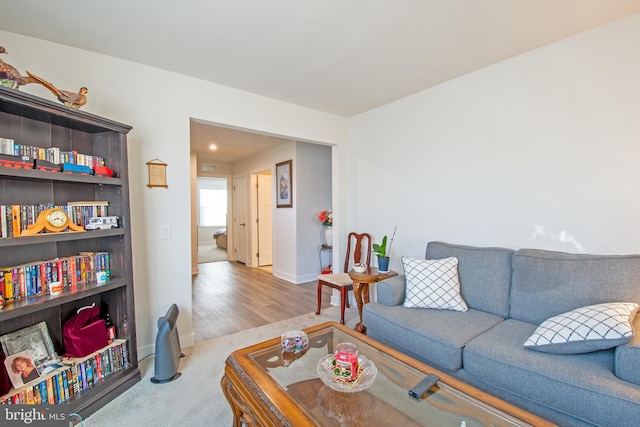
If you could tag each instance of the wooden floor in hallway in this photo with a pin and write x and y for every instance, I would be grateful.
(229, 297)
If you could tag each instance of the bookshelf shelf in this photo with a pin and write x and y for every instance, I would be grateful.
(59, 237)
(37, 122)
(81, 382)
(112, 387)
(35, 303)
(33, 174)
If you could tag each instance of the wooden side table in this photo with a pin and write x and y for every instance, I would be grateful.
(361, 289)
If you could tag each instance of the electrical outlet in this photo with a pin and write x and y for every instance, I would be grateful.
(165, 231)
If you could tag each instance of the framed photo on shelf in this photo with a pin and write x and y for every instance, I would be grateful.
(36, 340)
(284, 198)
(21, 368)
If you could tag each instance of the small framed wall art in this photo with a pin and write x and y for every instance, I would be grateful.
(157, 173)
(284, 198)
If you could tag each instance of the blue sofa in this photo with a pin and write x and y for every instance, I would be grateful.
(509, 293)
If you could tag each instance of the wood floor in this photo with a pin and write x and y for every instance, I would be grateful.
(229, 297)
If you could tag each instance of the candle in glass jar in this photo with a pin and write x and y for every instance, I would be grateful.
(346, 369)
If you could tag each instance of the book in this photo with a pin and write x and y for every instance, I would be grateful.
(3, 221)
(16, 210)
(8, 284)
(44, 398)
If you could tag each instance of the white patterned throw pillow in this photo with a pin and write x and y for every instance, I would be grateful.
(433, 284)
(583, 330)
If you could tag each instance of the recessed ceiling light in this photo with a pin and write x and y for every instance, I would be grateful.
(213, 147)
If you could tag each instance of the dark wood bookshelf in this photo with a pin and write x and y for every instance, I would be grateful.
(34, 121)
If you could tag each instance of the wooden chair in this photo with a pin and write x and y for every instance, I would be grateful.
(341, 281)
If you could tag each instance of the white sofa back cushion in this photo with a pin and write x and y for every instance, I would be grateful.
(433, 284)
(586, 329)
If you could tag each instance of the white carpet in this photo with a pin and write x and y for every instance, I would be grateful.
(209, 252)
(196, 399)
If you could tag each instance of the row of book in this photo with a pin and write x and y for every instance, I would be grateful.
(35, 278)
(75, 376)
(16, 218)
(54, 155)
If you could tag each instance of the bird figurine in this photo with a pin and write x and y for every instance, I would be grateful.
(9, 72)
(71, 99)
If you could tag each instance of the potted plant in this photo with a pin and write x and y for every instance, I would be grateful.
(380, 250)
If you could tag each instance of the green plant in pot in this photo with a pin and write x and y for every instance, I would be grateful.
(380, 250)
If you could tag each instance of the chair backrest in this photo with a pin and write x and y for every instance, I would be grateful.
(355, 242)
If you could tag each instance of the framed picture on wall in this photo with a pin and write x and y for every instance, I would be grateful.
(284, 198)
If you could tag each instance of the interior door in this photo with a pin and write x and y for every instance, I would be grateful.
(264, 223)
(240, 215)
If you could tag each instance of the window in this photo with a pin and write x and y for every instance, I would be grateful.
(212, 202)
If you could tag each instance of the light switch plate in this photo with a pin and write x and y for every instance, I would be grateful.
(165, 231)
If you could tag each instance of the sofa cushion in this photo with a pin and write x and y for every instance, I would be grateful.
(582, 385)
(591, 328)
(485, 274)
(391, 291)
(433, 284)
(627, 357)
(547, 283)
(435, 337)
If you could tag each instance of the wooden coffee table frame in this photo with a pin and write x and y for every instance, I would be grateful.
(256, 399)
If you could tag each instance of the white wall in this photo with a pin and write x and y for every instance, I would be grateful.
(297, 233)
(283, 258)
(313, 195)
(540, 151)
(159, 105)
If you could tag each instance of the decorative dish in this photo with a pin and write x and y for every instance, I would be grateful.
(367, 372)
(360, 268)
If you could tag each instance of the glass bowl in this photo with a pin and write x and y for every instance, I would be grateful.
(367, 372)
(294, 341)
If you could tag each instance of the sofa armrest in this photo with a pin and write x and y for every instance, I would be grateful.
(390, 292)
(627, 357)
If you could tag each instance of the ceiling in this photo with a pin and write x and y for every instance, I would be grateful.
(231, 144)
(338, 56)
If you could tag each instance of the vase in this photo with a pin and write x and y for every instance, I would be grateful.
(383, 264)
(328, 236)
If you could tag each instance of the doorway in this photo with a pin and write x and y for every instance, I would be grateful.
(264, 218)
(212, 219)
(240, 218)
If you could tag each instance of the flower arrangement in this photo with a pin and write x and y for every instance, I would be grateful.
(326, 218)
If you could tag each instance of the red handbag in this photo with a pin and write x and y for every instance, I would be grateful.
(85, 332)
(5, 384)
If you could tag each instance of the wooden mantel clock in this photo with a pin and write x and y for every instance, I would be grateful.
(53, 220)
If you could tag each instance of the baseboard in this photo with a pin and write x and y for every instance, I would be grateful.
(296, 279)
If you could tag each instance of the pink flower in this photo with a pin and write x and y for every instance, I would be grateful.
(326, 218)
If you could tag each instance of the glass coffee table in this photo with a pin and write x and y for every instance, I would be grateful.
(268, 387)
